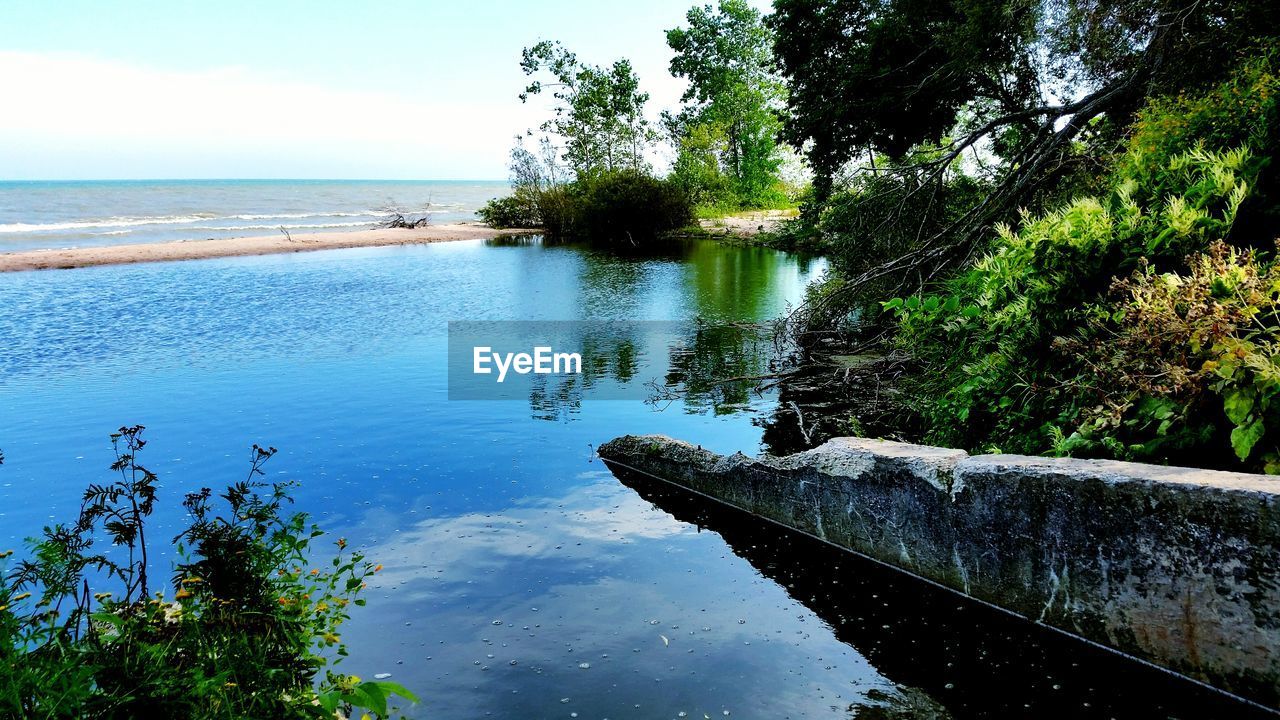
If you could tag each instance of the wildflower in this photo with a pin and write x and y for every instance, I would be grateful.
(365, 717)
(315, 572)
(229, 685)
(378, 568)
(181, 594)
(321, 607)
(331, 638)
(172, 612)
(3, 608)
(342, 543)
(342, 602)
(192, 580)
(285, 601)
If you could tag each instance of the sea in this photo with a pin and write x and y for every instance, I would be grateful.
(37, 215)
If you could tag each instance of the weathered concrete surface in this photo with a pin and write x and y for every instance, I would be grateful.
(1177, 566)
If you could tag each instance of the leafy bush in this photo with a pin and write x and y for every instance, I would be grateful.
(1031, 351)
(625, 207)
(1191, 362)
(620, 207)
(246, 633)
(517, 210)
(995, 372)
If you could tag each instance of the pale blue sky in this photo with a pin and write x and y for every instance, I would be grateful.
(236, 88)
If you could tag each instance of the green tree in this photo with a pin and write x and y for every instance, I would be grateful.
(726, 55)
(599, 111)
(1038, 92)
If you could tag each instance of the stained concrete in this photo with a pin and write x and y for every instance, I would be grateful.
(1177, 566)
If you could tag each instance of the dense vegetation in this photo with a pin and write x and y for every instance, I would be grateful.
(252, 618)
(1068, 210)
(590, 175)
(1058, 218)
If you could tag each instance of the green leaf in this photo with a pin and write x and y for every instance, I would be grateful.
(893, 304)
(393, 688)
(1244, 437)
(952, 304)
(109, 618)
(1238, 402)
(931, 303)
(971, 311)
(375, 698)
(329, 701)
(912, 303)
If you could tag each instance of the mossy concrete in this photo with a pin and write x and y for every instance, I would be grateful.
(1177, 566)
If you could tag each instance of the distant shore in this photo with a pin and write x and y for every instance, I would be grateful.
(232, 247)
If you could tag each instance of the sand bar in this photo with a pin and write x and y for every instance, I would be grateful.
(259, 245)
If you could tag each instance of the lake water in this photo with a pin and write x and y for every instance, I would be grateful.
(60, 214)
(522, 578)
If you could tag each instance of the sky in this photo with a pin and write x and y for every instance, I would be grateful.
(380, 89)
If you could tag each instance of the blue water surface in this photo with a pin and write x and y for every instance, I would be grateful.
(522, 579)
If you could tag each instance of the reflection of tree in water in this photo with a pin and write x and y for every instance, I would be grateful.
(717, 367)
(604, 357)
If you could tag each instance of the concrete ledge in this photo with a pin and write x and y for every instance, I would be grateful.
(1177, 566)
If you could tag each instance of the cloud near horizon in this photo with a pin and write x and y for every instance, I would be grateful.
(75, 116)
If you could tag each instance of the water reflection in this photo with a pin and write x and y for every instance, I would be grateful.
(597, 603)
(958, 658)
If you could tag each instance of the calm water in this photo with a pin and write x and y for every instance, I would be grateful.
(38, 214)
(522, 578)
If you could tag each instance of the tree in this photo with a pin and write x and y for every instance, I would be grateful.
(1043, 88)
(726, 55)
(599, 111)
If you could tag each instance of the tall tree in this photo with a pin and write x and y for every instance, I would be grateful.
(1027, 80)
(726, 54)
(598, 113)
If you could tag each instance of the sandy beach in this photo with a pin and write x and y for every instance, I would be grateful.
(256, 245)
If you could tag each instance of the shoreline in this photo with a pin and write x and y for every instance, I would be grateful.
(174, 250)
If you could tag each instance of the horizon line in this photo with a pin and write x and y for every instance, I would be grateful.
(248, 179)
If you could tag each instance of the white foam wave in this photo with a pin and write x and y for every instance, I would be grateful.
(114, 222)
(287, 226)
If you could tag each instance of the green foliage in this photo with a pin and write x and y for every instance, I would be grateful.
(599, 111)
(881, 216)
(1030, 352)
(886, 76)
(697, 170)
(1191, 363)
(517, 210)
(726, 133)
(621, 208)
(246, 633)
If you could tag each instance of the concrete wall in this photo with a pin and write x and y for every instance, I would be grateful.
(1177, 566)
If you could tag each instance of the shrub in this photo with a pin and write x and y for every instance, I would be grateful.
(246, 633)
(995, 371)
(625, 207)
(1191, 362)
(517, 210)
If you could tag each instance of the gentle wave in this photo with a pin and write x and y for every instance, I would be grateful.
(287, 226)
(107, 223)
(120, 222)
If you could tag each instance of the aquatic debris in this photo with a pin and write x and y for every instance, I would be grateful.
(381, 676)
